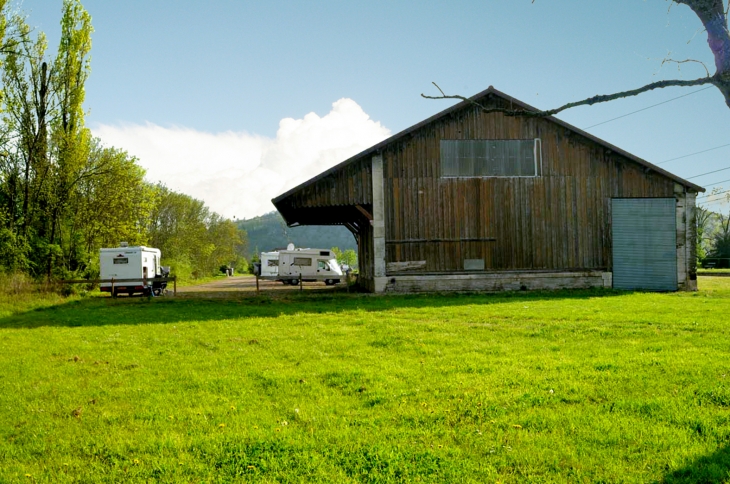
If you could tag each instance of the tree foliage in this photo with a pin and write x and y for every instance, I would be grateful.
(703, 222)
(721, 239)
(196, 242)
(347, 257)
(63, 195)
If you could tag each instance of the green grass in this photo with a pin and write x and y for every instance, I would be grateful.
(570, 386)
(713, 271)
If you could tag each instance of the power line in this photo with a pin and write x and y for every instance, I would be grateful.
(649, 107)
(692, 154)
(713, 184)
(711, 202)
(713, 195)
(708, 173)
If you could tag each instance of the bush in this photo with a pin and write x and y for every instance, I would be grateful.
(17, 283)
(242, 266)
(181, 268)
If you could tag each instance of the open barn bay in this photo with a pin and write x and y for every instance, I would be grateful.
(573, 386)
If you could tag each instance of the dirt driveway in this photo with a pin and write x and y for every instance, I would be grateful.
(246, 286)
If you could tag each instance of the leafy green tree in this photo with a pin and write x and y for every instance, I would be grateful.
(62, 194)
(194, 241)
(347, 257)
(703, 218)
(26, 167)
(721, 239)
(71, 140)
(112, 204)
(46, 145)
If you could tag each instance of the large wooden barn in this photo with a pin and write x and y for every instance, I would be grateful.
(468, 200)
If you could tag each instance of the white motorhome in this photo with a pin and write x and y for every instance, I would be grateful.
(136, 265)
(269, 265)
(312, 264)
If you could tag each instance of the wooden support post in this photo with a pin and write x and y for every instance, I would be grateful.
(174, 285)
(301, 284)
(257, 283)
(114, 294)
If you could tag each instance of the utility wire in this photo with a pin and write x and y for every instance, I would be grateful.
(713, 184)
(708, 173)
(716, 197)
(719, 200)
(713, 195)
(649, 107)
(692, 154)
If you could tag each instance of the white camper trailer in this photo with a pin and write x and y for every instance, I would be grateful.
(312, 264)
(140, 264)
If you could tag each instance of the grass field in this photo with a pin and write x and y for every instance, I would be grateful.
(571, 386)
(713, 271)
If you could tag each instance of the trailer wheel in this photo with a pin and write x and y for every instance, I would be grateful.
(328, 282)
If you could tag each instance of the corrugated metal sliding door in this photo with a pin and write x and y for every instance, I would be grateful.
(644, 232)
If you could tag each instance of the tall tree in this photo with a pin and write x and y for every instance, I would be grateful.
(26, 116)
(69, 136)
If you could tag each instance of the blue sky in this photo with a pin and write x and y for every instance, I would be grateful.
(199, 91)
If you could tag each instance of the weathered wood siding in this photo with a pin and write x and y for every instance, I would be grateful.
(365, 259)
(557, 221)
(350, 185)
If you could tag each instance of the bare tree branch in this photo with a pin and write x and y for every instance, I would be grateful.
(714, 17)
(685, 61)
(601, 98)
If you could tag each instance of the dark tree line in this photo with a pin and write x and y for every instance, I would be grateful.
(63, 195)
(713, 237)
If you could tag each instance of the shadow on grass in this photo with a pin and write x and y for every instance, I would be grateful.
(709, 469)
(101, 311)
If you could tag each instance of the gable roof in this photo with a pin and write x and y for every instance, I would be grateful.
(456, 107)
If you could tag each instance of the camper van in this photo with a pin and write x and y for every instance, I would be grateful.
(124, 262)
(312, 264)
(269, 265)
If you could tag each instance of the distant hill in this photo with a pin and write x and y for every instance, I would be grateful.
(269, 232)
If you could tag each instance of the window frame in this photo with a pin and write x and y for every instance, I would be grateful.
(298, 261)
(536, 155)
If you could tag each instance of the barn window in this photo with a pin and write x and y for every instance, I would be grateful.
(487, 157)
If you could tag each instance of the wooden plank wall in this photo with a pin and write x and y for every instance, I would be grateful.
(365, 260)
(351, 185)
(558, 221)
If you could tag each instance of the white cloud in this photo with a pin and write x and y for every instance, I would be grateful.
(237, 174)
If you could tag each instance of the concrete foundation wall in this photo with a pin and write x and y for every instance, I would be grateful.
(494, 281)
